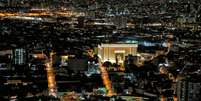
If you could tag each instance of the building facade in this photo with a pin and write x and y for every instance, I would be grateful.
(188, 91)
(116, 53)
(19, 56)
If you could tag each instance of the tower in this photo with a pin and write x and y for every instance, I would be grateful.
(19, 56)
(188, 91)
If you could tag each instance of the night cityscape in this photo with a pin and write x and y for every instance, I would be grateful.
(100, 50)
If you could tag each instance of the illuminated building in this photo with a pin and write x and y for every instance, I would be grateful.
(116, 53)
(64, 60)
(19, 56)
(188, 91)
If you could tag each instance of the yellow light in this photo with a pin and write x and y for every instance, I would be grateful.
(106, 80)
(50, 76)
(175, 98)
(162, 98)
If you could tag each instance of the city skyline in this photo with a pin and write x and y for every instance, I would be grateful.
(100, 50)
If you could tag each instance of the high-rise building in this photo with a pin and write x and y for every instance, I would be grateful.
(188, 91)
(19, 56)
(193, 91)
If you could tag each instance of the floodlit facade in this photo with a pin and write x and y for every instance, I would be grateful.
(116, 53)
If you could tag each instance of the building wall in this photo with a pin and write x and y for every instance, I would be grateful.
(188, 91)
(110, 51)
(19, 56)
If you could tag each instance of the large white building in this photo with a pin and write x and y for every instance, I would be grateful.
(116, 53)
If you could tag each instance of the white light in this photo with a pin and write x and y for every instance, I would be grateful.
(26, 18)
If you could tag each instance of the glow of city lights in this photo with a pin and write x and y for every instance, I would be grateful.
(106, 80)
(51, 77)
(104, 75)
